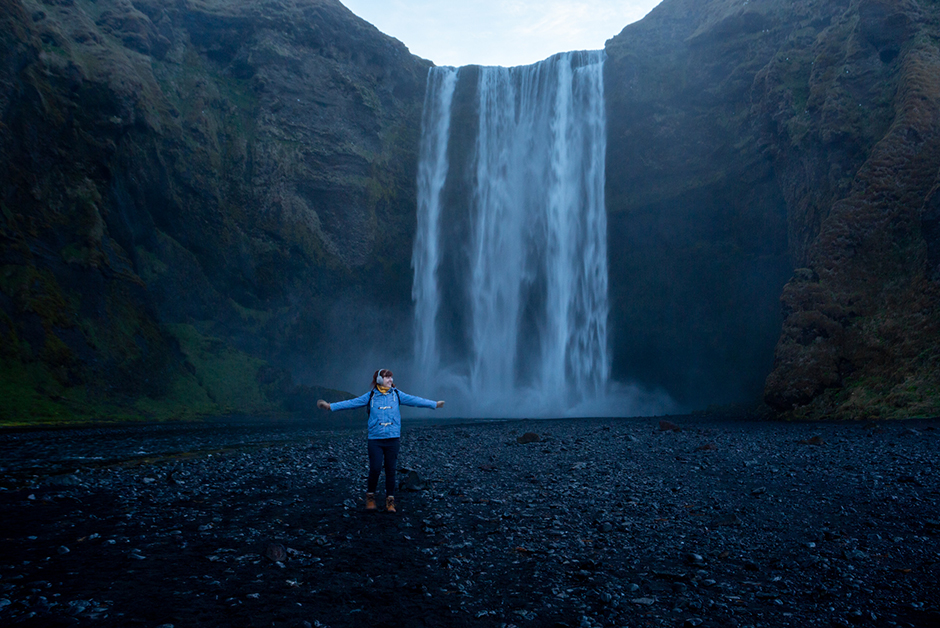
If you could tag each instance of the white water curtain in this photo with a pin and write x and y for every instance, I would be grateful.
(535, 240)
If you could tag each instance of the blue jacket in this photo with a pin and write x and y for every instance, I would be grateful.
(384, 413)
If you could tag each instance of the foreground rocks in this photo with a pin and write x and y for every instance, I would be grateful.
(600, 522)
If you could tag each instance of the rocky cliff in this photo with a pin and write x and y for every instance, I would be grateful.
(202, 198)
(189, 188)
(764, 147)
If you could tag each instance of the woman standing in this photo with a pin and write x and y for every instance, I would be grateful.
(383, 406)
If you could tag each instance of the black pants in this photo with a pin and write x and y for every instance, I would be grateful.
(383, 449)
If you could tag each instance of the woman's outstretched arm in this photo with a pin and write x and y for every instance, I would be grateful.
(356, 402)
(418, 402)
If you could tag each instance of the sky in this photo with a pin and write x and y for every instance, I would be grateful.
(499, 32)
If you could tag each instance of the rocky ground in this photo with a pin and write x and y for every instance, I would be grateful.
(603, 522)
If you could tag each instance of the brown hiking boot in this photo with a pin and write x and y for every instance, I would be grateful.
(390, 504)
(370, 501)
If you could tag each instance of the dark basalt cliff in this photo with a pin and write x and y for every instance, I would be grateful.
(749, 139)
(202, 198)
(188, 189)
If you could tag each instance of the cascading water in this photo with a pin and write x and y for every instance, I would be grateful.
(432, 171)
(510, 257)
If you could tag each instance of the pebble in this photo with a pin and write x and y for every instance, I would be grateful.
(695, 559)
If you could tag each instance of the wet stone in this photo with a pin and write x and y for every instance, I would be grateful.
(411, 480)
(695, 559)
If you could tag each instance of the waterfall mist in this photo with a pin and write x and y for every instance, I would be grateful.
(510, 257)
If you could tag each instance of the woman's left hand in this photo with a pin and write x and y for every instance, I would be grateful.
(440, 404)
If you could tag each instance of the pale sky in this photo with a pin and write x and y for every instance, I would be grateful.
(499, 32)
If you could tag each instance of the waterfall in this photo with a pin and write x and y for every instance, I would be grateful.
(432, 172)
(510, 257)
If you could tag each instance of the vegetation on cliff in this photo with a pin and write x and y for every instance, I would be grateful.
(187, 188)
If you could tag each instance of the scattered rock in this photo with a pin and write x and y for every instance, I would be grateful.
(528, 437)
(64, 480)
(815, 440)
(411, 480)
(854, 554)
(275, 552)
(694, 559)
(671, 576)
(726, 520)
(668, 426)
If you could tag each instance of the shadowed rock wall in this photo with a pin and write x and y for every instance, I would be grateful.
(756, 138)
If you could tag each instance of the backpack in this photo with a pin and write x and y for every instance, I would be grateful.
(372, 393)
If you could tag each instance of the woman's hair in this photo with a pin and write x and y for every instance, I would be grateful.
(383, 373)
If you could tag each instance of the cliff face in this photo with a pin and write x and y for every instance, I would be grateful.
(189, 188)
(786, 140)
(697, 219)
(199, 193)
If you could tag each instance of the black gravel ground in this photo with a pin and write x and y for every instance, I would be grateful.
(600, 522)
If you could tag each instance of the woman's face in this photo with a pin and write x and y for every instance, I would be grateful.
(389, 380)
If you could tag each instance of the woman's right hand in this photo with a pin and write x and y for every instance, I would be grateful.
(322, 404)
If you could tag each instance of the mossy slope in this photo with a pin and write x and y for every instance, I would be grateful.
(187, 187)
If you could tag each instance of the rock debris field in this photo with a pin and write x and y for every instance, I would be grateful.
(694, 521)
